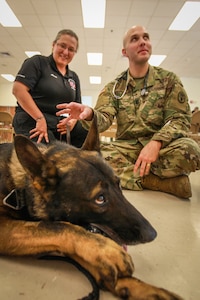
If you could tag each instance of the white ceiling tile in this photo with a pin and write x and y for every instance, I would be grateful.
(42, 20)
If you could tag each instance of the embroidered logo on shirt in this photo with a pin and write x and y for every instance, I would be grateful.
(54, 75)
(72, 84)
(20, 75)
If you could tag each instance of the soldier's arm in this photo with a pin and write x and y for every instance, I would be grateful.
(177, 114)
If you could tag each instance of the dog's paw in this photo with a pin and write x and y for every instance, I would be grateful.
(104, 259)
(133, 289)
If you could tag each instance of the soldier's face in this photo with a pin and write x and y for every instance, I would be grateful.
(137, 45)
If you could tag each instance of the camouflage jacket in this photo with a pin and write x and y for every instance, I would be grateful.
(162, 114)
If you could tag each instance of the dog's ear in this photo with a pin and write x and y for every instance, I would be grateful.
(42, 170)
(92, 142)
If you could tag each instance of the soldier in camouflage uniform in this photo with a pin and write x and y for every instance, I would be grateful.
(153, 117)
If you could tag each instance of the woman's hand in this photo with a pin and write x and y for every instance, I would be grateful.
(76, 111)
(66, 124)
(40, 130)
(21, 92)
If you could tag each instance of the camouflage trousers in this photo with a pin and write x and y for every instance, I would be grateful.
(182, 156)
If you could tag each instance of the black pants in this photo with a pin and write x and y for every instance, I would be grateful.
(23, 123)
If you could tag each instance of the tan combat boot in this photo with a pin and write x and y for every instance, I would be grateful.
(178, 186)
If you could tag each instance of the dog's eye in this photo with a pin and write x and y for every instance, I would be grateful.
(100, 200)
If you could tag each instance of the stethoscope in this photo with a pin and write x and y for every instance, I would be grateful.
(144, 91)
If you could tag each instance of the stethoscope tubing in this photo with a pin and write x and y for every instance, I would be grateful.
(144, 91)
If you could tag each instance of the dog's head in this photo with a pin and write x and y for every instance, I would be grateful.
(77, 185)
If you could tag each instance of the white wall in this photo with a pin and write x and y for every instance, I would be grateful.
(191, 85)
(6, 96)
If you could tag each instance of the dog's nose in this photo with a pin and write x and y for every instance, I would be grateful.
(150, 235)
(146, 232)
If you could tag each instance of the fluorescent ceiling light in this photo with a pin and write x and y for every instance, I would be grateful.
(8, 77)
(94, 59)
(95, 79)
(7, 16)
(32, 53)
(93, 13)
(187, 16)
(156, 60)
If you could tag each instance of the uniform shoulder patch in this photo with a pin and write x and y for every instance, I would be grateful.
(181, 97)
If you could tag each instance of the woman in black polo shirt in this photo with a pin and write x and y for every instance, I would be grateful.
(41, 84)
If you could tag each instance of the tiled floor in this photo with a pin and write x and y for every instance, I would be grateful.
(171, 261)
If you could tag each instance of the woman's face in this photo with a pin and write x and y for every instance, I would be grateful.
(64, 50)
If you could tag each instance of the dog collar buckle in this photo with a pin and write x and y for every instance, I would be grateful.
(15, 199)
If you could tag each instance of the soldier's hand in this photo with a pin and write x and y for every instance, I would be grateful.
(148, 155)
(76, 111)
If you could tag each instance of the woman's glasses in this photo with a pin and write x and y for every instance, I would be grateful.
(64, 47)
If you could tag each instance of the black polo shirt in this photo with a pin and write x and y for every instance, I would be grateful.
(48, 87)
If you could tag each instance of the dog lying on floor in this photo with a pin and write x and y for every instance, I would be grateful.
(51, 195)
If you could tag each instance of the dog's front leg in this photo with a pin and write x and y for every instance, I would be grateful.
(134, 289)
(102, 257)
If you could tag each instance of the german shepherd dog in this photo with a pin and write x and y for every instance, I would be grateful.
(51, 195)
